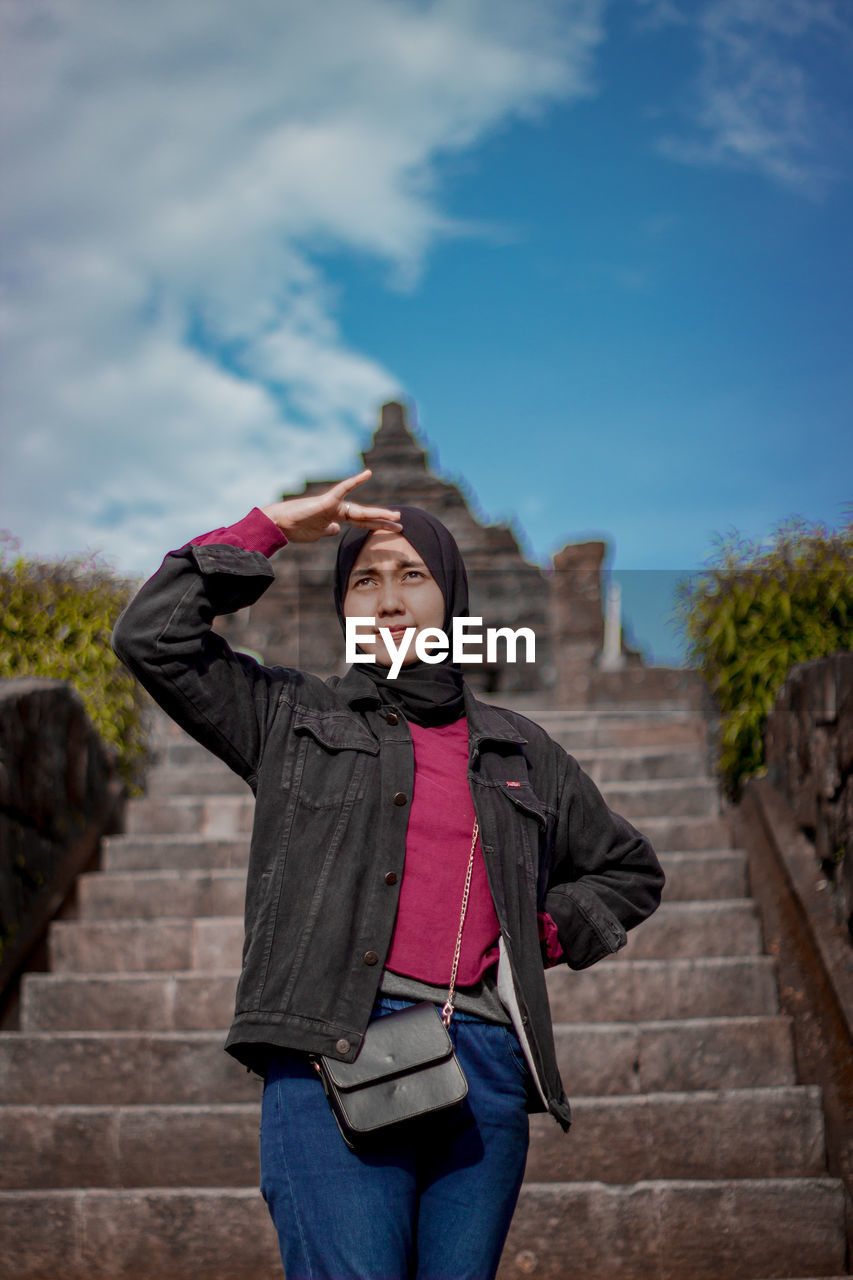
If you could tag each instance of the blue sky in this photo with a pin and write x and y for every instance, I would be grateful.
(603, 246)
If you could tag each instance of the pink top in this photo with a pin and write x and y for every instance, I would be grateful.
(438, 845)
(438, 837)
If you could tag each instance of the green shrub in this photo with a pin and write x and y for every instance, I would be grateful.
(754, 612)
(55, 622)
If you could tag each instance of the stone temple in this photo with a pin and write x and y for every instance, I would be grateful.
(294, 623)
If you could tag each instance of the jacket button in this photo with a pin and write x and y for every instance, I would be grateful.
(391, 877)
(400, 797)
(342, 1046)
(370, 957)
(392, 718)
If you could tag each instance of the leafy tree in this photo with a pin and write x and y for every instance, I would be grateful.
(55, 622)
(755, 611)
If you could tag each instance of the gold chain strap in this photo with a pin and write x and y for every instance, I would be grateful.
(447, 1010)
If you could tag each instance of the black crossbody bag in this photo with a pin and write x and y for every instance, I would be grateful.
(406, 1066)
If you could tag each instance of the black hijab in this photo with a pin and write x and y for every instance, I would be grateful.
(427, 693)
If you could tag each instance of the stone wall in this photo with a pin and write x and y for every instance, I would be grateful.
(809, 758)
(577, 618)
(58, 795)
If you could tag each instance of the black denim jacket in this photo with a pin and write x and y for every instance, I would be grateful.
(332, 771)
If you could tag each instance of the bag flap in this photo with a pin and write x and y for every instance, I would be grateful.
(413, 1037)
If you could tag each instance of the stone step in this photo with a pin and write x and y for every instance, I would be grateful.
(636, 990)
(178, 752)
(576, 736)
(192, 770)
(181, 753)
(696, 1080)
(194, 892)
(533, 704)
(662, 798)
(628, 764)
(737, 1133)
(58, 1067)
(127, 1001)
(200, 846)
(692, 1229)
(232, 814)
(730, 927)
(192, 850)
(105, 895)
(706, 874)
(207, 778)
(198, 852)
(184, 852)
(643, 714)
(642, 990)
(225, 815)
(216, 816)
(121, 1067)
(725, 928)
(719, 1134)
(608, 1058)
(677, 1230)
(172, 745)
(135, 946)
(607, 760)
(687, 834)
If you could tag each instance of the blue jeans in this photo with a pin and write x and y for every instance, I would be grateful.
(435, 1204)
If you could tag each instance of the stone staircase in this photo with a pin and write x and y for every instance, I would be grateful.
(129, 1139)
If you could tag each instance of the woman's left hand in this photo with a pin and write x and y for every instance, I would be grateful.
(321, 516)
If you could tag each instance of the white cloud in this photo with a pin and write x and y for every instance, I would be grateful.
(171, 170)
(757, 104)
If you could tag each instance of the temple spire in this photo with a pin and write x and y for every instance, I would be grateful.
(394, 446)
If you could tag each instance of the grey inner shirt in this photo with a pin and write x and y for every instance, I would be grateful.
(480, 1000)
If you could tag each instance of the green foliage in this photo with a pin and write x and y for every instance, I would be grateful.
(754, 612)
(55, 622)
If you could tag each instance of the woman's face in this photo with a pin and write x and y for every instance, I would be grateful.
(390, 583)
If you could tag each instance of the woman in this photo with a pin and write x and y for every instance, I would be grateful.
(367, 793)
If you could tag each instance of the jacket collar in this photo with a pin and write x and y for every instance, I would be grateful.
(487, 724)
(357, 690)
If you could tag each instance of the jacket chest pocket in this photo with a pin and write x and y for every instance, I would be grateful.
(525, 800)
(330, 766)
(527, 818)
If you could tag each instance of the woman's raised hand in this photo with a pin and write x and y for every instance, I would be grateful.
(321, 516)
